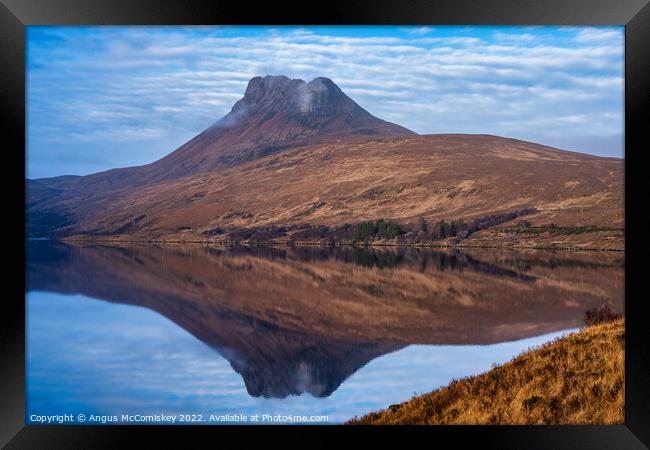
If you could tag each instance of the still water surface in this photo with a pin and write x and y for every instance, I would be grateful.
(291, 332)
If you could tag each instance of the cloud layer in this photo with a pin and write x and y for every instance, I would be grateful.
(104, 97)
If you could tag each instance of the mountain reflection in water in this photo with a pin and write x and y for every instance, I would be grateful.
(303, 319)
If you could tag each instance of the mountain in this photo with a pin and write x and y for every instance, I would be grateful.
(275, 113)
(292, 155)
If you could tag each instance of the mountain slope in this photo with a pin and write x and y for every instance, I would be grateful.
(435, 177)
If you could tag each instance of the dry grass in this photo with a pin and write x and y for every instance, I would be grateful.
(578, 379)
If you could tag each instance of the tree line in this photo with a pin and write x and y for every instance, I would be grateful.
(365, 232)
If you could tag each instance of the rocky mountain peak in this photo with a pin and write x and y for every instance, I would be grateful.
(319, 96)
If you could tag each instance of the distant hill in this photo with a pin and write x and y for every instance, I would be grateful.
(293, 154)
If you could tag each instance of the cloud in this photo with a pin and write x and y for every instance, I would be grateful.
(145, 90)
(419, 31)
(598, 35)
(521, 37)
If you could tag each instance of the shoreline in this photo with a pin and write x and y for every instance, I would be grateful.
(320, 244)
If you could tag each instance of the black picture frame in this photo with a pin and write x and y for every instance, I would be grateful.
(633, 14)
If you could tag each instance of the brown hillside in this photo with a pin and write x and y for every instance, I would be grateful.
(437, 177)
(575, 380)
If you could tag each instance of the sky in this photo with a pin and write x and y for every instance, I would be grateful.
(114, 96)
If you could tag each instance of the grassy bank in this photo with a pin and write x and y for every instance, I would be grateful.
(578, 379)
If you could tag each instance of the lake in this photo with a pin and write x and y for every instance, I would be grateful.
(138, 333)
